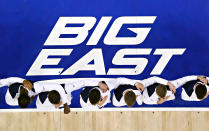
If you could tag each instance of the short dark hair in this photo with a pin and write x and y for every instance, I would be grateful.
(161, 90)
(54, 97)
(130, 98)
(94, 96)
(200, 91)
(23, 101)
(104, 82)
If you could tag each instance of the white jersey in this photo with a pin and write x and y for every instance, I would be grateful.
(47, 87)
(181, 81)
(13, 100)
(122, 100)
(154, 97)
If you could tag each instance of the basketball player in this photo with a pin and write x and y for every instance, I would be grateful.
(126, 94)
(157, 90)
(95, 94)
(194, 88)
(51, 96)
(19, 92)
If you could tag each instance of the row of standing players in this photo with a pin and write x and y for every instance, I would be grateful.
(95, 94)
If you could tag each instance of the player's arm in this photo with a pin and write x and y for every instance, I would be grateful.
(102, 101)
(137, 83)
(10, 80)
(152, 80)
(122, 80)
(105, 99)
(139, 98)
(181, 81)
(80, 84)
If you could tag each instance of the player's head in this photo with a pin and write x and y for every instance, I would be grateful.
(130, 98)
(54, 97)
(94, 96)
(23, 101)
(103, 86)
(27, 84)
(23, 91)
(161, 91)
(201, 91)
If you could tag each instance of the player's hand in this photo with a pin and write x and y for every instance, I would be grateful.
(58, 105)
(102, 101)
(203, 79)
(172, 87)
(162, 100)
(66, 109)
(140, 87)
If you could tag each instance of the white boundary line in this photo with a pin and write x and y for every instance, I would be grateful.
(109, 109)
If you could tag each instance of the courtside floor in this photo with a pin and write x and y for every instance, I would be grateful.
(104, 121)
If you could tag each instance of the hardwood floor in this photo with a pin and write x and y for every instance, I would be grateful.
(104, 121)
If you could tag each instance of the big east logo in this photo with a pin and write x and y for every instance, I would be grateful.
(96, 54)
